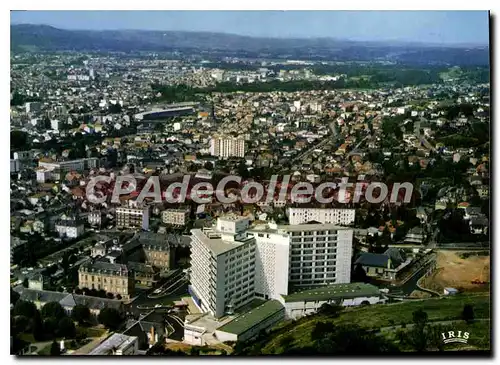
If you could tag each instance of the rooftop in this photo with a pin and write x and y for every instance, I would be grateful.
(100, 266)
(251, 318)
(311, 227)
(336, 291)
(218, 246)
(114, 342)
(373, 259)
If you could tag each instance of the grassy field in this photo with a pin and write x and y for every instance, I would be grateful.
(377, 316)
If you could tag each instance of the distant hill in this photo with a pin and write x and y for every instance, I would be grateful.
(47, 38)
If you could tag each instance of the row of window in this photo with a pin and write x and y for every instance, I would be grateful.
(310, 263)
(93, 278)
(313, 258)
(304, 278)
(311, 233)
(309, 270)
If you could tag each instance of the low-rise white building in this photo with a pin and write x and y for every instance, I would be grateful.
(70, 228)
(307, 302)
(248, 325)
(117, 344)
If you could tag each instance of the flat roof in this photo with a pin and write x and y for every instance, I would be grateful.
(248, 320)
(335, 291)
(116, 341)
(311, 227)
(217, 245)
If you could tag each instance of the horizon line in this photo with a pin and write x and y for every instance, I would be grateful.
(458, 44)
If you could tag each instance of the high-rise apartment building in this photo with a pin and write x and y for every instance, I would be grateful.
(227, 147)
(320, 254)
(231, 263)
(344, 217)
(222, 266)
(271, 260)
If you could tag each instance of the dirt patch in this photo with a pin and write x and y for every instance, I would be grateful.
(420, 294)
(456, 272)
(178, 346)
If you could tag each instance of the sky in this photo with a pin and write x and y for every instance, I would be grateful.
(442, 27)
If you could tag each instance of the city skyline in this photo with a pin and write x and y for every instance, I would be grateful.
(436, 27)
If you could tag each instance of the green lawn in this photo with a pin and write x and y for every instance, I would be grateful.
(383, 315)
(91, 331)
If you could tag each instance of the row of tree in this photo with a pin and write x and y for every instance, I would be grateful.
(52, 321)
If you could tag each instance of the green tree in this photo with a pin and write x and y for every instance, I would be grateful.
(38, 331)
(110, 318)
(420, 317)
(55, 349)
(321, 329)
(468, 313)
(66, 328)
(50, 326)
(20, 324)
(25, 308)
(53, 309)
(81, 314)
(418, 337)
(18, 140)
(351, 339)
(331, 310)
(14, 296)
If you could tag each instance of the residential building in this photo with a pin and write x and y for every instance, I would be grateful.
(33, 107)
(24, 155)
(478, 224)
(144, 274)
(176, 217)
(68, 300)
(415, 236)
(158, 254)
(272, 258)
(70, 228)
(132, 217)
(222, 266)
(66, 166)
(15, 166)
(344, 217)
(112, 278)
(320, 254)
(95, 218)
(227, 147)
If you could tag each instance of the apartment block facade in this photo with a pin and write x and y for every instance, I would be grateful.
(227, 147)
(132, 218)
(231, 263)
(112, 278)
(320, 254)
(222, 266)
(175, 217)
(344, 217)
(272, 261)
